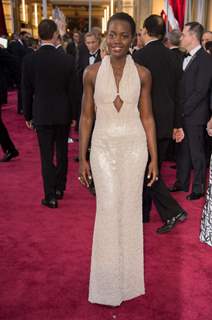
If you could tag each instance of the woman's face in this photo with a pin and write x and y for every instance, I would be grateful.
(119, 38)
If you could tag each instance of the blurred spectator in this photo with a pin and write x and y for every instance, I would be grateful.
(208, 47)
(59, 45)
(18, 48)
(138, 42)
(173, 43)
(73, 46)
(207, 36)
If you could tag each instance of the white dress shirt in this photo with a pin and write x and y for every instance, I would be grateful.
(192, 53)
(92, 58)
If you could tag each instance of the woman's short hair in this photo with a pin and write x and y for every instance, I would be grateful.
(123, 16)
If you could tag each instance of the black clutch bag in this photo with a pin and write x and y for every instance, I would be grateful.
(91, 186)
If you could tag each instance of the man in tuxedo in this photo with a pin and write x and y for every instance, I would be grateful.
(194, 93)
(48, 93)
(6, 61)
(18, 49)
(165, 77)
(173, 43)
(89, 53)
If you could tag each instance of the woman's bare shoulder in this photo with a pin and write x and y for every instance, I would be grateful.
(91, 71)
(143, 72)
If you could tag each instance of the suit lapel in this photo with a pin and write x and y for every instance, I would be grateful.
(97, 58)
(193, 58)
(190, 62)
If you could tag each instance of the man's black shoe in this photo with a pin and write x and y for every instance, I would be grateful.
(51, 203)
(169, 225)
(9, 155)
(195, 196)
(59, 194)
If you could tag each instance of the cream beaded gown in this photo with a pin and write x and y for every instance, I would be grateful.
(118, 162)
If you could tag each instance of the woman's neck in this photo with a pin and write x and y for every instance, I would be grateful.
(118, 62)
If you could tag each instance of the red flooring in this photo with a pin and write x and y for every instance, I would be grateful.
(45, 253)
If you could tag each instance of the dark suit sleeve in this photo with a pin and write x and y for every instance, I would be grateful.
(8, 60)
(202, 84)
(27, 87)
(136, 56)
(72, 88)
(178, 107)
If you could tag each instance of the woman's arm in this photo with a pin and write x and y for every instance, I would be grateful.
(145, 108)
(86, 123)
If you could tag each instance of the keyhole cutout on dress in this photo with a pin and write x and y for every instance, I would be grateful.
(118, 103)
(118, 75)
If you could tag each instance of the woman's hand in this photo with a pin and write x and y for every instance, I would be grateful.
(84, 173)
(152, 173)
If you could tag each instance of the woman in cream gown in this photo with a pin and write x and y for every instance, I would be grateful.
(124, 127)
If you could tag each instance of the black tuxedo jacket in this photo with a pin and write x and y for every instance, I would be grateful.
(7, 66)
(179, 56)
(72, 49)
(161, 62)
(83, 62)
(194, 90)
(60, 50)
(48, 82)
(84, 59)
(18, 50)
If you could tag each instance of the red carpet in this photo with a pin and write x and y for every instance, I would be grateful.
(45, 253)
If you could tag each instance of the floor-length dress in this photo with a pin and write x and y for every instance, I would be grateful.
(118, 162)
(206, 221)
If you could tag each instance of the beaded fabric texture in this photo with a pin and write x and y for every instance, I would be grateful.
(118, 161)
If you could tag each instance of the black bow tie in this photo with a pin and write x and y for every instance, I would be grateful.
(187, 55)
(92, 55)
